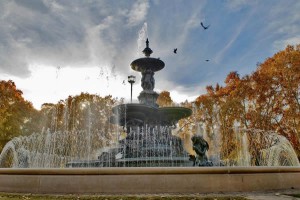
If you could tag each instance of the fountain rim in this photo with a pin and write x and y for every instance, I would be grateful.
(121, 180)
(147, 170)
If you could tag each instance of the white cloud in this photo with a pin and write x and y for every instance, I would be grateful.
(49, 85)
(180, 93)
(138, 12)
(68, 34)
(82, 35)
(281, 44)
(283, 26)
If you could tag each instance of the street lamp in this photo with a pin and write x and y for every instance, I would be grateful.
(131, 80)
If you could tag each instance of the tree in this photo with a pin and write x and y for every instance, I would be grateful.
(268, 99)
(17, 116)
(164, 99)
(278, 83)
(80, 118)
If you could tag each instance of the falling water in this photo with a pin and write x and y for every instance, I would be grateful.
(46, 149)
(272, 149)
(254, 148)
(263, 148)
(144, 146)
(243, 155)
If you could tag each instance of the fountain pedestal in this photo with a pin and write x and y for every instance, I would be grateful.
(148, 97)
(149, 141)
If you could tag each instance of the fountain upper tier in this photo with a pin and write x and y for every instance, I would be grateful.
(147, 63)
(142, 64)
(147, 111)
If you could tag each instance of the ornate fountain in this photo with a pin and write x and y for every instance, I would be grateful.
(149, 140)
(146, 139)
(150, 143)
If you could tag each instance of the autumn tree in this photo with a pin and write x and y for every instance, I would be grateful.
(81, 117)
(17, 116)
(164, 99)
(268, 99)
(278, 98)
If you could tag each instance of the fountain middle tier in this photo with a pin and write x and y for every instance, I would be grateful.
(149, 141)
(146, 146)
(140, 114)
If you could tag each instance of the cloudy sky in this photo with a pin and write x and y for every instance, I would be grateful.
(52, 49)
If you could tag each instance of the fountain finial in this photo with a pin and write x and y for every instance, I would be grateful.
(147, 51)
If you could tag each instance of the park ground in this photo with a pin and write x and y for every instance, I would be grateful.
(268, 195)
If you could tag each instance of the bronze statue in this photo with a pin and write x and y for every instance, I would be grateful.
(200, 146)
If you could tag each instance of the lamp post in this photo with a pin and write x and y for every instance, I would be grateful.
(131, 80)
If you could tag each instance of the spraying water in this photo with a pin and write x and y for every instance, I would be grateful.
(267, 148)
(142, 36)
(49, 150)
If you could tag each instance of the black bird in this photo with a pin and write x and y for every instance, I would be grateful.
(175, 50)
(206, 60)
(205, 27)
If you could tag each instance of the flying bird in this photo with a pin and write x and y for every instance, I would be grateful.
(205, 27)
(206, 60)
(175, 50)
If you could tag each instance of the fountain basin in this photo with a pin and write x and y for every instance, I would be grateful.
(142, 64)
(149, 180)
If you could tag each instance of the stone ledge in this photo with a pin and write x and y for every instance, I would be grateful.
(149, 180)
(148, 170)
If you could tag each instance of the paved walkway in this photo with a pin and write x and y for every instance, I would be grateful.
(270, 195)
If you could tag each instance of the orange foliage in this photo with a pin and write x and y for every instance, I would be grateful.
(164, 99)
(268, 99)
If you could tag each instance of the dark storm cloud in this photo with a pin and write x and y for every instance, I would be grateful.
(91, 33)
(67, 33)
